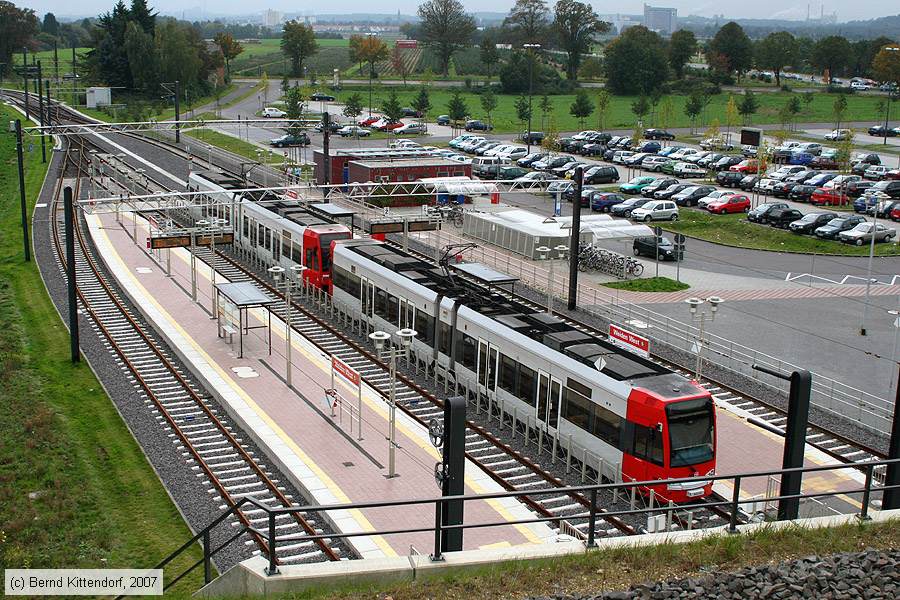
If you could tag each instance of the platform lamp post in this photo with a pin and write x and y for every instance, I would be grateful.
(379, 338)
(292, 278)
(198, 226)
(531, 48)
(702, 317)
(879, 198)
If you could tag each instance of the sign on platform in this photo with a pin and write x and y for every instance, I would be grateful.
(345, 370)
(629, 341)
(184, 240)
(291, 194)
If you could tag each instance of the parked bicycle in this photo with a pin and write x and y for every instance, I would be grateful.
(592, 258)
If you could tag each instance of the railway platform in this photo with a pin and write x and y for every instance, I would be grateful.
(314, 445)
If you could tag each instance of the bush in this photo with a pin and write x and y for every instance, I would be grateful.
(720, 77)
(836, 89)
(514, 77)
(786, 88)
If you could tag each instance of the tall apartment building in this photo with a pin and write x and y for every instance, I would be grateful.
(661, 20)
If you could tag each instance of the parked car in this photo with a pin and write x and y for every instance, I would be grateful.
(660, 183)
(717, 143)
(513, 154)
(765, 185)
(476, 125)
(601, 174)
(668, 150)
(636, 159)
(321, 97)
(636, 185)
(882, 131)
(891, 188)
(801, 158)
(732, 203)
(710, 159)
(560, 187)
(619, 156)
(748, 150)
(811, 221)
(712, 197)
(659, 247)
(839, 135)
(813, 148)
(859, 86)
(750, 165)
(409, 111)
(784, 172)
(834, 227)
(855, 189)
(876, 172)
(690, 196)
(670, 191)
(668, 167)
(686, 169)
(443, 120)
(533, 178)
(654, 163)
(509, 172)
(270, 112)
(820, 179)
(864, 203)
(656, 210)
(829, 197)
(411, 128)
(604, 201)
(748, 182)
(649, 146)
(551, 162)
(842, 181)
(883, 209)
(658, 134)
(802, 192)
(532, 137)
(865, 232)
(893, 174)
(823, 163)
(353, 131)
(530, 159)
(288, 140)
(761, 212)
(782, 218)
(623, 209)
(729, 178)
(783, 152)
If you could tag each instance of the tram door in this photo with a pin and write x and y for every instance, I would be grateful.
(488, 358)
(549, 395)
(407, 315)
(367, 297)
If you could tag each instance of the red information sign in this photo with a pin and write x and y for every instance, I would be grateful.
(629, 341)
(291, 194)
(344, 370)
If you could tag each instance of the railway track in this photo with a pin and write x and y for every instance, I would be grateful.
(204, 437)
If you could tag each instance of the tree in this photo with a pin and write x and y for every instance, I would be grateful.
(50, 24)
(775, 51)
(582, 107)
(355, 41)
(640, 107)
(457, 109)
(682, 46)
(285, 84)
(528, 21)
(730, 49)
(636, 62)
(546, 108)
(748, 105)
(298, 42)
(514, 75)
(793, 108)
(143, 15)
(422, 103)
(666, 112)
(576, 24)
(731, 113)
(229, 47)
(391, 108)
(838, 109)
(353, 106)
(264, 86)
(446, 28)
(692, 107)
(523, 110)
(488, 55)
(140, 48)
(864, 53)
(398, 62)
(886, 64)
(372, 49)
(831, 54)
(488, 104)
(293, 106)
(602, 107)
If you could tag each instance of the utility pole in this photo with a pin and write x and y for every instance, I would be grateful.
(326, 142)
(575, 239)
(891, 498)
(25, 79)
(22, 200)
(177, 111)
(74, 76)
(55, 62)
(70, 273)
(40, 84)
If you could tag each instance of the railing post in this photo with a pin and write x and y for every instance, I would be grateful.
(273, 567)
(735, 498)
(592, 519)
(864, 510)
(207, 563)
(438, 531)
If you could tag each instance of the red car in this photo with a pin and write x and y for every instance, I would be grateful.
(735, 203)
(392, 125)
(746, 166)
(829, 197)
(367, 121)
(895, 214)
(893, 174)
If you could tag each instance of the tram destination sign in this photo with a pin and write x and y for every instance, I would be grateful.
(183, 240)
(629, 341)
(344, 370)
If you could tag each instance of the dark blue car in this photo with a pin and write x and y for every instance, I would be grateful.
(864, 203)
(801, 158)
(604, 201)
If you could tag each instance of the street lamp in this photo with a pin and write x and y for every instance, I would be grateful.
(887, 111)
(379, 338)
(702, 317)
(199, 226)
(879, 198)
(292, 279)
(532, 48)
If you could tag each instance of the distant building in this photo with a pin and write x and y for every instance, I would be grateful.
(272, 18)
(661, 20)
(620, 22)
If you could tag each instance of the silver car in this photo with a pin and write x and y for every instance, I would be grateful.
(862, 234)
(656, 210)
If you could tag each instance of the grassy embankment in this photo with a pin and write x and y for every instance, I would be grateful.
(649, 284)
(735, 230)
(75, 488)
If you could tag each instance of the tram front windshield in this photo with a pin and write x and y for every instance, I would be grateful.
(690, 432)
(325, 243)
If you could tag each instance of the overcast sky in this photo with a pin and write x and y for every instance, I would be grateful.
(862, 9)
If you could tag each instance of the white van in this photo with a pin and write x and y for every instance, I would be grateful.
(481, 164)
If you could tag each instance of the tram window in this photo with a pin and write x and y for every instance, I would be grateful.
(508, 374)
(444, 339)
(527, 383)
(467, 352)
(268, 239)
(381, 303)
(296, 253)
(576, 409)
(261, 234)
(648, 444)
(393, 312)
(425, 327)
(246, 227)
(286, 244)
(606, 425)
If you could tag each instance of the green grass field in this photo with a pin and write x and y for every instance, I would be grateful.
(649, 284)
(619, 115)
(735, 230)
(75, 488)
